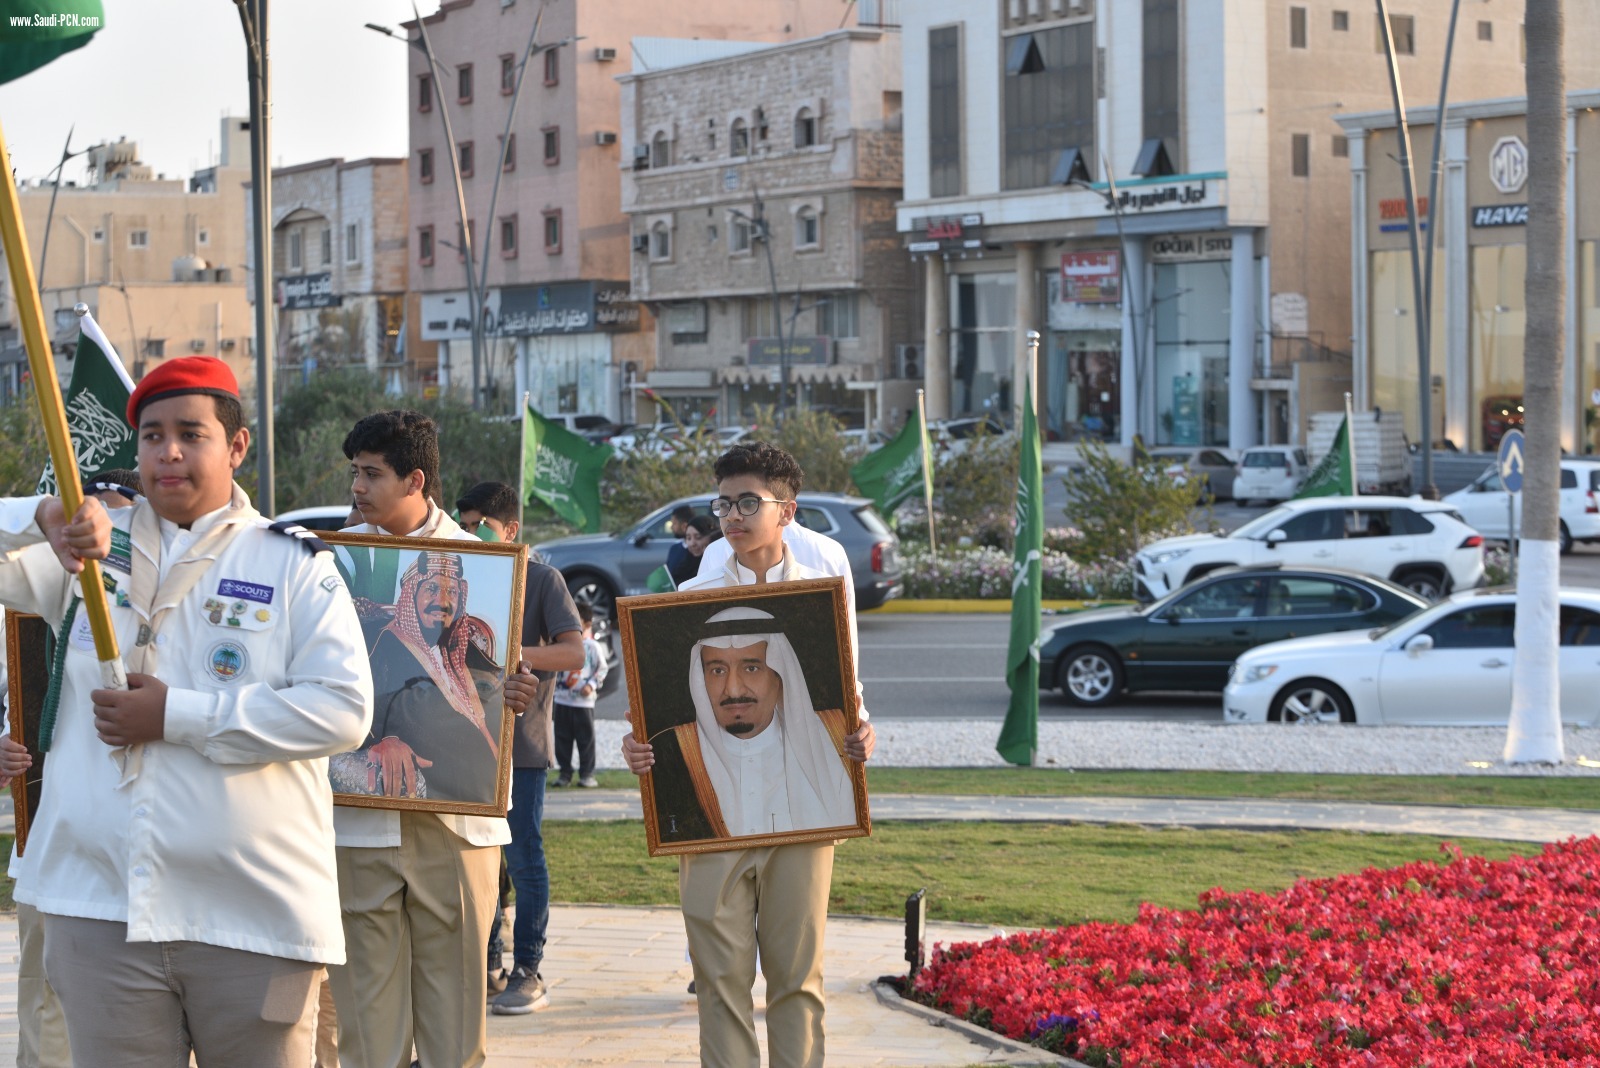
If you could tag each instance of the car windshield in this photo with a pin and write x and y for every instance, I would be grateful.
(1259, 526)
(1265, 459)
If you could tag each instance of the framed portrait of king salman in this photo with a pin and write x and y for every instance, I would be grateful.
(745, 695)
(28, 654)
(442, 620)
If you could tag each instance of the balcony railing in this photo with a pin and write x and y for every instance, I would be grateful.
(1283, 351)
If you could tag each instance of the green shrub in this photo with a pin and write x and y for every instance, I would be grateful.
(1117, 508)
(22, 449)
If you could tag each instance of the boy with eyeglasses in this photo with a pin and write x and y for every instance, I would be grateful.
(775, 898)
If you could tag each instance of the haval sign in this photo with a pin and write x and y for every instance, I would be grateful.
(1508, 164)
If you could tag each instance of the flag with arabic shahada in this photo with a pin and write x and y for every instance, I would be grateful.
(97, 407)
(563, 470)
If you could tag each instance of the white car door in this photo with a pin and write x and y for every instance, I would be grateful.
(1314, 536)
(1464, 679)
(1483, 506)
(1580, 665)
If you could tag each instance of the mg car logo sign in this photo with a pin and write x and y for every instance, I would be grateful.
(1508, 164)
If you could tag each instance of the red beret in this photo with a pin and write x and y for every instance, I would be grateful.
(186, 374)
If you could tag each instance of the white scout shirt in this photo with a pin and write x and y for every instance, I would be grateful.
(379, 828)
(223, 832)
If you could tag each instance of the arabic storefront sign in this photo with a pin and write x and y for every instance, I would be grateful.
(1500, 215)
(307, 291)
(566, 308)
(1182, 195)
(947, 232)
(768, 351)
(1092, 277)
(1178, 248)
(1392, 214)
(613, 310)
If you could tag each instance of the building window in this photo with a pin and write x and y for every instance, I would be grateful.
(837, 316)
(805, 129)
(1341, 146)
(509, 149)
(466, 158)
(944, 111)
(508, 74)
(296, 251)
(1485, 31)
(552, 231)
(758, 319)
(1403, 28)
(552, 145)
(1300, 154)
(425, 246)
(1297, 27)
(739, 139)
(155, 347)
(1162, 78)
(100, 235)
(1341, 21)
(352, 242)
(1049, 101)
(552, 66)
(138, 238)
(425, 165)
(201, 237)
(740, 233)
(660, 150)
(424, 92)
(464, 83)
(327, 245)
(508, 237)
(807, 228)
(660, 242)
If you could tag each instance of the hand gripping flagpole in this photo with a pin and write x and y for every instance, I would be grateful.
(47, 389)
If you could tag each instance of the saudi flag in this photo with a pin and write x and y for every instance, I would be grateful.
(562, 470)
(891, 474)
(35, 32)
(97, 406)
(1335, 473)
(1019, 737)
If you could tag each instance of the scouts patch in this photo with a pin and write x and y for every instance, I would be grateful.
(240, 615)
(249, 591)
(121, 555)
(227, 661)
(330, 583)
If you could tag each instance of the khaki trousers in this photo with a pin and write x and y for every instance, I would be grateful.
(326, 1049)
(416, 930)
(776, 900)
(41, 1028)
(146, 1004)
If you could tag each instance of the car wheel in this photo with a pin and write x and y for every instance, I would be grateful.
(1090, 675)
(1311, 701)
(1565, 538)
(594, 591)
(1423, 583)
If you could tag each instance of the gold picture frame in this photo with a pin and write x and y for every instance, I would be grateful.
(438, 688)
(27, 679)
(687, 807)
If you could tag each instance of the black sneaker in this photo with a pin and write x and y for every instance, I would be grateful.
(565, 780)
(524, 993)
(498, 978)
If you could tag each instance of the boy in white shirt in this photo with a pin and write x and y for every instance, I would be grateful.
(573, 711)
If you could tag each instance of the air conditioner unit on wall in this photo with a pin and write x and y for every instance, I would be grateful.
(908, 361)
(197, 345)
(641, 242)
(605, 55)
(604, 137)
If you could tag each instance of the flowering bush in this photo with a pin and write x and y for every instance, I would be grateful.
(1468, 962)
(985, 572)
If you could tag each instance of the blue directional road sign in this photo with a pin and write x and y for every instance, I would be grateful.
(1509, 461)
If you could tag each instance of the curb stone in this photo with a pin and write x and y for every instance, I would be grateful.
(982, 1036)
(986, 606)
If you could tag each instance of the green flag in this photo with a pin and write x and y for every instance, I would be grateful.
(35, 32)
(563, 470)
(1019, 737)
(892, 473)
(97, 405)
(1335, 473)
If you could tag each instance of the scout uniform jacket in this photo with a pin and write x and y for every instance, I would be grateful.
(222, 832)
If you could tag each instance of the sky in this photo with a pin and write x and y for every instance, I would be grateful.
(163, 73)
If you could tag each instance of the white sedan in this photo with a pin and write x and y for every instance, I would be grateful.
(1447, 665)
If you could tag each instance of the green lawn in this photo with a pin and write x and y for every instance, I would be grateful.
(1012, 874)
(1514, 791)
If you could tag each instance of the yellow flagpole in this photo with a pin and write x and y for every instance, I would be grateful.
(48, 390)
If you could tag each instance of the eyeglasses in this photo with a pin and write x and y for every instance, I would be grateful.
(722, 507)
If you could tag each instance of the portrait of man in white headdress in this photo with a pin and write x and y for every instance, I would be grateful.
(759, 757)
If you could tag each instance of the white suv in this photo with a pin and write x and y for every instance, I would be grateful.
(1422, 545)
(1483, 504)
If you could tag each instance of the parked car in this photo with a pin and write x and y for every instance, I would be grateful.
(1270, 473)
(951, 436)
(1211, 469)
(318, 517)
(1448, 665)
(1483, 504)
(1424, 546)
(1189, 639)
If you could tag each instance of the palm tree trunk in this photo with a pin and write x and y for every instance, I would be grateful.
(1534, 735)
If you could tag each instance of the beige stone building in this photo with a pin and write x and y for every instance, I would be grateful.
(562, 327)
(160, 261)
(340, 269)
(801, 140)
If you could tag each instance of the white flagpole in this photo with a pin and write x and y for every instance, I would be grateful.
(927, 470)
(522, 461)
(1350, 446)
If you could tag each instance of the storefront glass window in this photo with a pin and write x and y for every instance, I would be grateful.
(1082, 374)
(983, 307)
(1395, 372)
(1589, 340)
(1191, 361)
(1497, 318)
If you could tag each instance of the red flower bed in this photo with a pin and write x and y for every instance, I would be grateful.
(1468, 962)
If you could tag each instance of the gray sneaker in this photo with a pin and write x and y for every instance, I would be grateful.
(523, 994)
(589, 781)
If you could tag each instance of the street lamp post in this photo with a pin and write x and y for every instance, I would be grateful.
(761, 232)
(253, 18)
(1080, 178)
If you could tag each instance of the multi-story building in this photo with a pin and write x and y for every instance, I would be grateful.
(340, 260)
(1480, 271)
(763, 211)
(559, 244)
(1209, 302)
(159, 261)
